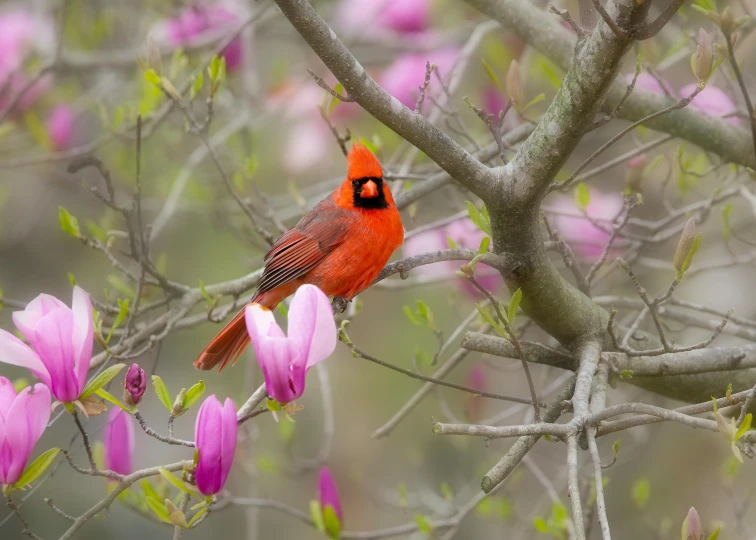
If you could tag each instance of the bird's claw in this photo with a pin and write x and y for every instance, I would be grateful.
(339, 304)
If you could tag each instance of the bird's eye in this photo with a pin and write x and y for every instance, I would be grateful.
(355, 184)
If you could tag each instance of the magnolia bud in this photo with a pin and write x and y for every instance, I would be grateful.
(176, 516)
(703, 60)
(687, 238)
(634, 173)
(467, 270)
(178, 405)
(134, 385)
(693, 529)
(515, 90)
(727, 21)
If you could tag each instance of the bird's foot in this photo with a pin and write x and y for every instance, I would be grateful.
(339, 304)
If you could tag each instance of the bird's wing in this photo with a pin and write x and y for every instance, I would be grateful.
(300, 249)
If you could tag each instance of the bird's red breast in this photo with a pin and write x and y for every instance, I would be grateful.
(340, 246)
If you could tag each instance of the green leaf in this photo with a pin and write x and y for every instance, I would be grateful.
(193, 394)
(162, 392)
(425, 314)
(582, 195)
(35, 470)
(484, 507)
(559, 513)
(198, 515)
(107, 396)
(331, 522)
(101, 380)
(477, 218)
(492, 75)
(71, 280)
(540, 525)
(98, 453)
(158, 508)
(514, 303)
(123, 309)
(197, 86)
(490, 320)
(539, 98)
(316, 514)
(339, 89)
(616, 447)
(423, 524)
(744, 427)
(68, 223)
(689, 258)
(152, 77)
(641, 493)
(484, 244)
(447, 492)
(214, 69)
(411, 316)
(179, 484)
(627, 374)
(715, 534)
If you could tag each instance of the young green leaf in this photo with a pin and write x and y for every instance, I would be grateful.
(162, 392)
(477, 218)
(641, 493)
(490, 320)
(179, 484)
(193, 394)
(316, 514)
(197, 86)
(514, 303)
(68, 223)
(582, 195)
(331, 522)
(411, 316)
(689, 258)
(35, 470)
(423, 524)
(152, 77)
(107, 396)
(744, 427)
(158, 508)
(123, 309)
(484, 244)
(198, 515)
(492, 75)
(101, 380)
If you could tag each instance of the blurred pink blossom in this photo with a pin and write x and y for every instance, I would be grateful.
(195, 21)
(712, 100)
(371, 16)
(403, 78)
(19, 33)
(582, 235)
(23, 418)
(465, 234)
(648, 82)
(60, 126)
(328, 496)
(119, 441)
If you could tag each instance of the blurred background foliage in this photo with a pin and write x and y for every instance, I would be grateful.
(280, 152)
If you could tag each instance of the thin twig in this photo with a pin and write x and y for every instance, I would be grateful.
(429, 68)
(162, 438)
(10, 503)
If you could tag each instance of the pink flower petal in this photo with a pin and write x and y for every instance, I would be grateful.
(52, 342)
(24, 426)
(15, 352)
(119, 441)
(311, 324)
(83, 333)
(712, 100)
(7, 396)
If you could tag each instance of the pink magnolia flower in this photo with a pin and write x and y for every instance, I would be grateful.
(693, 527)
(119, 441)
(134, 385)
(648, 82)
(60, 126)
(19, 33)
(712, 100)
(23, 418)
(366, 16)
(403, 78)
(284, 360)
(582, 235)
(328, 495)
(465, 234)
(194, 21)
(60, 339)
(215, 435)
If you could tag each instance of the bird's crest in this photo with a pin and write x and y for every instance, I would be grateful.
(363, 163)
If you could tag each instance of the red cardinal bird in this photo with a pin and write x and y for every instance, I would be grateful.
(340, 246)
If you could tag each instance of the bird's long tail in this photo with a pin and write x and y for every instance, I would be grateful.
(227, 346)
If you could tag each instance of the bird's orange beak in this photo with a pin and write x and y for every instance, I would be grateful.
(369, 190)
